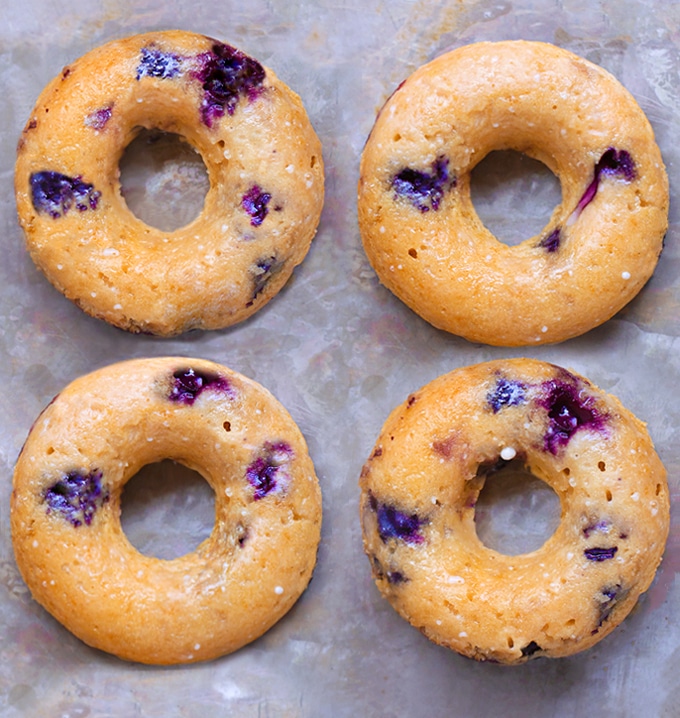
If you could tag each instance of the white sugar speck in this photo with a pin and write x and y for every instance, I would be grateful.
(462, 634)
(625, 275)
(278, 590)
(508, 453)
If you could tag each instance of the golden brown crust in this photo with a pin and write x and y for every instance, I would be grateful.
(69, 544)
(219, 269)
(420, 487)
(551, 105)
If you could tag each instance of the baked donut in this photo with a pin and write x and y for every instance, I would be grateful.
(421, 483)
(66, 503)
(263, 161)
(424, 238)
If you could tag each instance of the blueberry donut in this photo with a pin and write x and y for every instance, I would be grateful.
(424, 238)
(261, 211)
(421, 483)
(66, 503)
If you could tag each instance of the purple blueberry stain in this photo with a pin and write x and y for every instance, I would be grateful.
(98, 119)
(602, 526)
(268, 472)
(506, 392)
(551, 242)
(227, 75)
(424, 190)
(77, 497)
(188, 384)
(599, 554)
(55, 194)
(610, 596)
(569, 410)
(262, 272)
(255, 202)
(612, 163)
(393, 523)
(156, 63)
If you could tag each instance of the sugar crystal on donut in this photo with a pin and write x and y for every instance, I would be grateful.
(77, 496)
(227, 74)
(425, 190)
(189, 384)
(55, 193)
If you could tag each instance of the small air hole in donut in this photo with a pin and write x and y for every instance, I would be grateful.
(167, 510)
(608, 494)
(516, 512)
(571, 622)
(227, 426)
(658, 489)
(50, 450)
(566, 471)
(413, 253)
(514, 195)
(312, 162)
(163, 179)
(601, 465)
(511, 643)
(396, 137)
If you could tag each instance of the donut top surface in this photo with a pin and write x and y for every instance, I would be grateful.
(419, 226)
(264, 166)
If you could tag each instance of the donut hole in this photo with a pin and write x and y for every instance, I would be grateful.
(516, 512)
(514, 195)
(167, 510)
(164, 180)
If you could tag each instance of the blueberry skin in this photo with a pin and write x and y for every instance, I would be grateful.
(76, 497)
(188, 384)
(569, 410)
(255, 202)
(267, 473)
(393, 523)
(551, 243)
(600, 554)
(614, 163)
(424, 190)
(507, 392)
(156, 63)
(226, 75)
(55, 194)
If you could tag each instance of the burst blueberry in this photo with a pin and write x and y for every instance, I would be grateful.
(614, 163)
(255, 202)
(264, 269)
(569, 409)
(156, 63)
(551, 242)
(76, 497)
(424, 190)
(600, 554)
(54, 193)
(507, 392)
(393, 523)
(268, 472)
(98, 119)
(188, 384)
(227, 75)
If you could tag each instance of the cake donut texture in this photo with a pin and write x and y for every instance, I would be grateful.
(424, 238)
(422, 480)
(65, 510)
(261, 211)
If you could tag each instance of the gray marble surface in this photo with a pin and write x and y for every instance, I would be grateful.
(339, 352)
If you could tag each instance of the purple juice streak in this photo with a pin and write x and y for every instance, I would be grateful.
(551, 243)
(393, 523)
(599, 527)
(76, 497)
(227, 75)
(97, 120)
(569, 410)
(506, 393)
(255, 202)
(268, 471)
(189, 384)
(156, 63)
(600, 554)
(614, 163)
(424, 190)
(55, 194)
